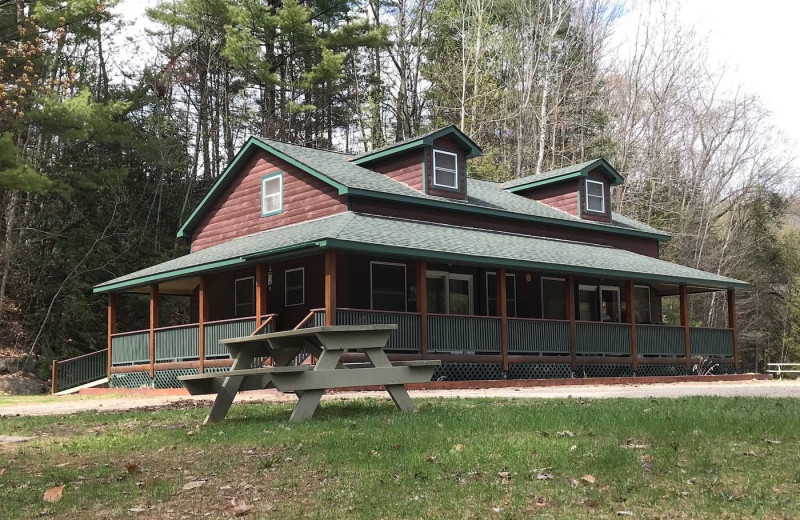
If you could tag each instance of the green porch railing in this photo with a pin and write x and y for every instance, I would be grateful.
(405, 338)
(471, 334)
(79, 370)
(224, 329)
(179, 343)
(130, 348)
(711, 342)
(661, 340)
(531, 336)
(602, 339)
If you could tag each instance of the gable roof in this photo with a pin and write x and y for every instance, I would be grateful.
(469, 146)
(561, 174)
(334, 168)
(415, 239)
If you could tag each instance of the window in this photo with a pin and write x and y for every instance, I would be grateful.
(388, 286)
(588, 308)
(449, 293)
(642, 294)
(491, 294)
(295, 280)
(445, 169)
(244, 297)
(610, 308)
(553, 304)
(271, 194)
(599, 303)
(595, 196)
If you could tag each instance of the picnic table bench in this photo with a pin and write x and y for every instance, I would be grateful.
(309, 382)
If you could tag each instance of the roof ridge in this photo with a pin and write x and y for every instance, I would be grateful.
(310, 147)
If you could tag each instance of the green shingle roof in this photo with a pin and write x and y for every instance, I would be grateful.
(425, 240)
(560, 174)
(473, 150)
(337, 169)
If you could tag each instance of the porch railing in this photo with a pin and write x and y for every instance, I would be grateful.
(405, 339)
(532, 336)
(602, 339)
(660, 340)
(177, 343)
(130, 348)
(447, 333)
(711, 342)
(223, 329)
(79, 370)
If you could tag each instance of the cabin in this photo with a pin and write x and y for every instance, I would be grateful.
(531, 278)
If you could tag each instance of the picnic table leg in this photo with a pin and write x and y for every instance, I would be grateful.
(309, 399)
(398, 393)
(230, 387)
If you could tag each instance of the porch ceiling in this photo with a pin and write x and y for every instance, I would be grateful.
(424, 240)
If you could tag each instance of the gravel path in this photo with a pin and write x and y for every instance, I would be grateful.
(75, 404)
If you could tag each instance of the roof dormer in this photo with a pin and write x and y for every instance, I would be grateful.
(582, 190)
(433, 163)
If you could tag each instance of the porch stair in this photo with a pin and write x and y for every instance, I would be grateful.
(76, 389)
(86, 371)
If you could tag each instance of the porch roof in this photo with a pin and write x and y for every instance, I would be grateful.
(425, 241)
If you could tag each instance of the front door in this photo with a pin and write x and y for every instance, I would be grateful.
(610, 309)
(449, 293)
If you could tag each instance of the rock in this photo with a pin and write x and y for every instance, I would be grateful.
(4, 367)
(22, 384)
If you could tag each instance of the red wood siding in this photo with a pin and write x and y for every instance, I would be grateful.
(563, 196)
(644, 246)
(237, 212)
(595, 175)
(405, 168)
(447, 144)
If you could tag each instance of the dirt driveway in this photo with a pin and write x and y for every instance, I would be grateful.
(75, 404)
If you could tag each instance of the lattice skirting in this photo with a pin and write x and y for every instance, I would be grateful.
(661, 370)
(538, 371)
(468, 372)
(130, 380)
(603, 371)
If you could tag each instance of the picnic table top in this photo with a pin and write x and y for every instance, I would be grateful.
(311, 331)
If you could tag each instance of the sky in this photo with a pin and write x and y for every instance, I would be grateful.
(756, 41)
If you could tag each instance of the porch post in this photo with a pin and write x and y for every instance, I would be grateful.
(502, 310)
(153, 326)
(330, 288)
(261, 301)
(732, 324)
(422, 306)
(202, 316)
(684, 296)
(631, 308)
(112, 325)
(570, 308)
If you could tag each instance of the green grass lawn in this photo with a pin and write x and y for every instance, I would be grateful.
(687, 458)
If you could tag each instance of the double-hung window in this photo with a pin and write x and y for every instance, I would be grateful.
(271, 194)
(595, 196)
(445, 169)
(388, 289)
(295, 280)
(245, 297)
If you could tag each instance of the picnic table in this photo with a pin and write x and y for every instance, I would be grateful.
(309, 382)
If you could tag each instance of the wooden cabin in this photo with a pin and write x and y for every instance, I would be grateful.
(532, 278)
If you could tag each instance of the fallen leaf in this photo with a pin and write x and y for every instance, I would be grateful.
(2, 470)
(133, 467)
(572, 482)
(624, 513)
(540, 501)
(194, 484)
(430, 458)
(573, 448)
(372, 453)
(588, 478)
(53, 494)
(458, 447)
(769, 441)
(750, 453)
(137, 509)
(565, 433)
(544, 476)
(385, 420)
(238, 507)
(497, 509)
(504, 475)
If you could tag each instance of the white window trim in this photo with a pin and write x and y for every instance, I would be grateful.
(455, 172)
(264, 180)
(610, 288)
(405, 283)
(649, 306)
(236, 293)
(601, 197)
(541, 292)
(286, 287)
(508, 275)
(454, 276)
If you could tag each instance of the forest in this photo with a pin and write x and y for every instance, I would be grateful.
(106, 146)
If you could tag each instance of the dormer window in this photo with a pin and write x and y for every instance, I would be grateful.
(445, 169)
(595, 196)
(271, 194)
